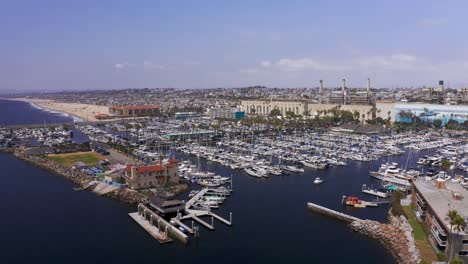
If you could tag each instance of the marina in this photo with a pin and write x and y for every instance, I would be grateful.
(210, 199)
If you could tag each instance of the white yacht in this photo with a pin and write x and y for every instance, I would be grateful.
(318, 180)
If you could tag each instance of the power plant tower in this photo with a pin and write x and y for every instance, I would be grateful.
(321, 92)
(368, 86)
(343, 91)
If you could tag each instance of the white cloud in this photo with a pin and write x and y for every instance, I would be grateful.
(120, 65)
(398, 61)
(265, 63)
(191, 62)
(151, 65)
(433, 21)
(249, 71)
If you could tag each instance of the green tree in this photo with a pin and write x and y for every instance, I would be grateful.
(446, 164)
(451, 218)
(456, 261)
(275, 112)
(437, 123)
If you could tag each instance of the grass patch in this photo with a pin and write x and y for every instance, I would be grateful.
(420, 236)
(68, 159)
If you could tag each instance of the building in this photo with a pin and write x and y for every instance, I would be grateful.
(131, 111)
(432, 200)
(158, 175)
(347, 96)
(433, 95)
(462, 95)
(431, 112)
(223, 112)
(265, 106)
(186, 115)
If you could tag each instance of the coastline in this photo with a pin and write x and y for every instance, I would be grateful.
(79, 112)
(83, 180)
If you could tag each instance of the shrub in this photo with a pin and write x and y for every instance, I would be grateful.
(397, 209)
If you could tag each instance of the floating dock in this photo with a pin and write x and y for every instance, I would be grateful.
(151, 229)
(368, 190)
(195, 214)
(157, 223)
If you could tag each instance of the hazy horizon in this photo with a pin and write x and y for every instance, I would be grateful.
(55, 46)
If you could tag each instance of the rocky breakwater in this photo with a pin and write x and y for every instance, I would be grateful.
(85, 181)
(80, 178)
(396, 236)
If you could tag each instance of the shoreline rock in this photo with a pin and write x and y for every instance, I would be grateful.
(395, 236)
(81, 179)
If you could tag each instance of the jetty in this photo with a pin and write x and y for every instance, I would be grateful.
(327, 211)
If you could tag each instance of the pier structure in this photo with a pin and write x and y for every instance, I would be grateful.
(195, 214)
(327, 211)
(165, 231)
(154, 224)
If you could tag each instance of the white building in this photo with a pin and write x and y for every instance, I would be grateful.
(222, 112)
(264, 107)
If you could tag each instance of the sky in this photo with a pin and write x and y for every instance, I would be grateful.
(60, 45)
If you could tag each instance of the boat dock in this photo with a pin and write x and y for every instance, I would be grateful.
(165, 231)
(162, 237)
(326, 211)
(195, 214)
(146, 218)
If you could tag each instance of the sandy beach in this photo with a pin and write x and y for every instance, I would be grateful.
(84, 112)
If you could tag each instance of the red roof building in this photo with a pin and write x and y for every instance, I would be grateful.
(158, 175)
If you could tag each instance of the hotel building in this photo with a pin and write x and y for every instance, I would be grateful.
(432, 200)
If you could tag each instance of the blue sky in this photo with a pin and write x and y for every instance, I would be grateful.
(69, 45)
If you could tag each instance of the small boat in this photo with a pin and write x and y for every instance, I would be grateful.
(318, 180)
(355, 202)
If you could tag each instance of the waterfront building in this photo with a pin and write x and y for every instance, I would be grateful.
(159, 175)
(433, 95)
(186, 115)
(224, 112)
(431, 112)
(463, 96)
(432, 201)
(130, 111)
(265, 106)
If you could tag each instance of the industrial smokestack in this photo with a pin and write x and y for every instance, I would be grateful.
(343, 87)
(368, 85)
(321, 91)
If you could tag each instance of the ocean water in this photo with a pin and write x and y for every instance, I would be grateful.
(45, 221)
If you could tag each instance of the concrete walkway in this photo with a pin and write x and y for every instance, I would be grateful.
(103, 188)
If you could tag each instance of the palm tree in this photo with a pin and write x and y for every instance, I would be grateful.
(460, 223)
(446, 165)
(452, 215)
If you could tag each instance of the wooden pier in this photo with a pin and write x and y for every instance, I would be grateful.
(326, 211)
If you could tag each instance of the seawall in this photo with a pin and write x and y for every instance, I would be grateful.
(395, 236)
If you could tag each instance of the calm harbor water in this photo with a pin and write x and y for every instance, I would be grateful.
(45, 221)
